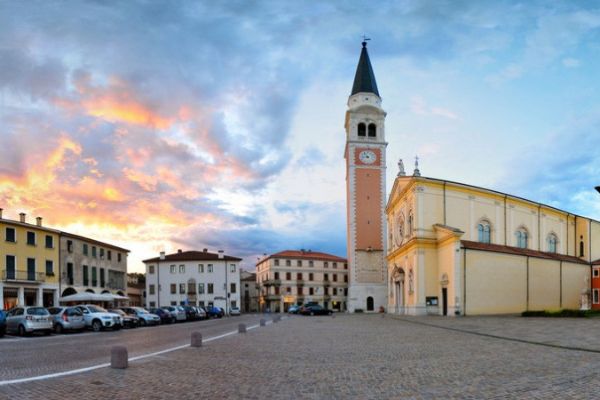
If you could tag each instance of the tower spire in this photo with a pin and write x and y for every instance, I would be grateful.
(364, 80)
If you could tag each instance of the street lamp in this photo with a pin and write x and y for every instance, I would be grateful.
(598, 189)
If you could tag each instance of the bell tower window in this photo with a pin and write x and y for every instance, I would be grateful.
(362, 129)
(372, 130)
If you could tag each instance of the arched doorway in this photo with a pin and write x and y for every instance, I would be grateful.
(370, 304)
(68, 291)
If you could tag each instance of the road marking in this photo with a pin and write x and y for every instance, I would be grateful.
(94, 367)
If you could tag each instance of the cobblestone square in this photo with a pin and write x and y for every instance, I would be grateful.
(358, 357)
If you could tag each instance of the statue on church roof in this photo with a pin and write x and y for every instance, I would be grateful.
(416, 171)
(401, 171)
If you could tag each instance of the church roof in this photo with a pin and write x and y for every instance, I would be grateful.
(497, 248)
(364, 80)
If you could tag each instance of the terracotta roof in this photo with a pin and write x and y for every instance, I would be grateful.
(193, 256)
(93, 241)
(305, 255)
(467, 244)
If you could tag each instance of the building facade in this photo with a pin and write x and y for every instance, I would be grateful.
(249, 292)
(88, 265)
(457, 249)
(136, 289)
(365, 186)
(29, 266)
(293, 277)
(197, 278)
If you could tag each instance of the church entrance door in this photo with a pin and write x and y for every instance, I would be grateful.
(370, 305)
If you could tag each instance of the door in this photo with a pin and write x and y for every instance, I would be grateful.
(445, 301)
(370, 305)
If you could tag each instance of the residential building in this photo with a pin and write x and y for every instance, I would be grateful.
(91, 266)
(296, 277)
(193, 277)
(136, 289)
(29, 263)
(249, 292)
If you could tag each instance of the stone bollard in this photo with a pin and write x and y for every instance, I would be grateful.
(119, 357)
(196, 339)
(263, 322)
(242, 328)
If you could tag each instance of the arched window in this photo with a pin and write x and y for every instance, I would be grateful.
(372, 130)
(552, 242)
(484, 232)
(581, 253)
(522, 238)
(362, 129)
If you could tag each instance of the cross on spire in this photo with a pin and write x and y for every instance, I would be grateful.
(364, 42)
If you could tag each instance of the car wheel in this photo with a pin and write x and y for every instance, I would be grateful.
(22, 330)
(96, 326)
(58, 328)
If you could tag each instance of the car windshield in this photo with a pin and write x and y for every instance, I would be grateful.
(37, 311)
(96, 309)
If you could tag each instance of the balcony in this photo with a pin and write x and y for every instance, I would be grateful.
(23, 276)
(272, 282)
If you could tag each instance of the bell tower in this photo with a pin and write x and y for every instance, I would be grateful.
(365, 191)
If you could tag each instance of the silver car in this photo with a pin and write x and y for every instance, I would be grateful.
(26, 320)
(67, 319)
(179, 314)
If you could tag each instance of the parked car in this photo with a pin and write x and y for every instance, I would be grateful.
(201, 312)
(190, 313)
(145, 317)
(315, 309)
(26, 320)
(164, 315)
(294, 309)
(129, 321)
(234, 311)
(97, 318)
(66, 319)
(176, 312)
(2, 323)
(214, 312)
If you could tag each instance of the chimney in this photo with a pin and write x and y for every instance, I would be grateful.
(221, 254)
(22, 217)
(204, 250)
(0, 213)
(162, 255)
(38, 221)
(179, 251)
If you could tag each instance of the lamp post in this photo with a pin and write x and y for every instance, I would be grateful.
(598, 189)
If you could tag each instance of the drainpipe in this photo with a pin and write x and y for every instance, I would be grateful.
(505, 228)
(567, 249)
(445, 223)
(465, 282)
(539, 227)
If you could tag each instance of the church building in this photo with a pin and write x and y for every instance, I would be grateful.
(453, 248)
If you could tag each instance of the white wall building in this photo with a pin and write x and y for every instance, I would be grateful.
(193, 277)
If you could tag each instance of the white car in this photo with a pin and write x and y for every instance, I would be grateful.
(97, 318)
(234, 311)
(146, 318)
(200, 312)
(176, 312)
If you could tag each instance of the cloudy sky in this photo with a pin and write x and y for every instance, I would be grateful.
(164, 125)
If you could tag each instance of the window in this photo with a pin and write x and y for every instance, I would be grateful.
(232, 268)
(109, 255)
(232, 288)
(483, 232)
(209, 268)
(299, 263)
(310, 276)
(173, 288)
(94, 251)
(210, 288)
(311, 264)
(85, 249)
(345, 291)
(152, 304)
(372, 130)
(325, 277)
(552, 242)
(300, 290)
(521, 237)
(581, 253)
(326, 264)
(102, 280)
(288, 276)
(201, 288)
(276, 275)
(299, 276)
(345, 266)
(362, 129)
(277, 290)
(173, 303)
(288, 263)
(86, 280)
(201, 303)
(288, 290)
(173, 269)
(151, 269)
(334, 265)
(346, 278)
(596, 272)
(49, 267)
(311, 291)
(335, 277)
(335, 291)
(233, 303)
(69, 273)
(200, 268)
(152, 289)
(10, 235)
(118, 257)
(70, 246)
(181, 288)
(326, 291)
(596, 298)
(101, 253)
(182, 269)
(31, 238)
(277, 263)
(94, 276)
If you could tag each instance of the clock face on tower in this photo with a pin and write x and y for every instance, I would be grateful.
(367, 157)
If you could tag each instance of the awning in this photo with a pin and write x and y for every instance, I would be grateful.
(85, 296)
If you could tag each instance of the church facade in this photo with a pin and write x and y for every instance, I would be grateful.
(447, 248)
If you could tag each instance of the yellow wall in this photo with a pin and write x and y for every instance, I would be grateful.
(573, 280)
(544, 284)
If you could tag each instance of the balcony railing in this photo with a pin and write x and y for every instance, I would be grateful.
(23, 276)
(272, 282)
